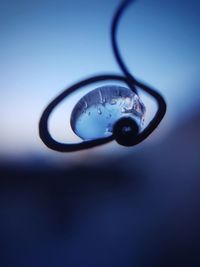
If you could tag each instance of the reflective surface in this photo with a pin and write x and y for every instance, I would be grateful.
(96, 113)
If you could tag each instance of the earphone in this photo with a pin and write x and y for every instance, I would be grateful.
(125, 130)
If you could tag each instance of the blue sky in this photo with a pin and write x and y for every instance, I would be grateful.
(48, 45)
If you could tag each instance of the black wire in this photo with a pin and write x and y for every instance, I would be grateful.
(128, 79)
(115, 47)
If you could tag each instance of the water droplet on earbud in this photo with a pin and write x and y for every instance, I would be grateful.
(113, 101)
(99, 111)
(96, 113)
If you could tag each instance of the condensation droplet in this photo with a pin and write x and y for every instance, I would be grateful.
(113, 101)
(104, 106)
(99, 111)
(123, 110)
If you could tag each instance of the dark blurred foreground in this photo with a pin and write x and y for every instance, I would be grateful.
(140, 210)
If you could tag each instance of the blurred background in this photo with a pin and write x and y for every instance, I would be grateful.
(108, 206)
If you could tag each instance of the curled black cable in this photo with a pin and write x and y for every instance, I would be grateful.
(131, 82)
(118, 57)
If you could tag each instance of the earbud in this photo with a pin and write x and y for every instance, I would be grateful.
(126, 131)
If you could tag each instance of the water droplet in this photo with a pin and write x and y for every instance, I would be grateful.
(86, 105)
(123, 110)
(112, 103)
(99, 111)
